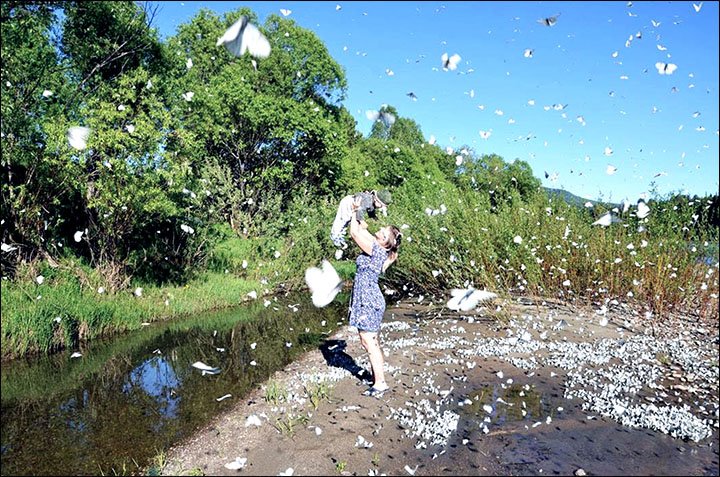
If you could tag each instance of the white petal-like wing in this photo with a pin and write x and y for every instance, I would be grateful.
(77, 137)
(324, 283)
(243, 36)
(466, 300)
(204, 367)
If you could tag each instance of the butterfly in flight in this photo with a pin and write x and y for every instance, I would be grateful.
(468, 299)
(324, 283)
(665, 68)
(606, 220)
(642, 210)
(412, 96)
(243, 36)
(450, 63)
(77, 137)
(549, 21)
(385, 117)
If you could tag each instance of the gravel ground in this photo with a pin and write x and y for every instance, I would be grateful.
(522, 387)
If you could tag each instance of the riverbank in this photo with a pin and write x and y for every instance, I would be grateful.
(522, 387)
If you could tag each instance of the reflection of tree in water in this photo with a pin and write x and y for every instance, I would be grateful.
(127, 401)
(517, 398)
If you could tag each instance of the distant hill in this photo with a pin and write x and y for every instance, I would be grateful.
(572, 198)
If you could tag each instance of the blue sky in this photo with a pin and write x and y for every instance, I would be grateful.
(661, 129)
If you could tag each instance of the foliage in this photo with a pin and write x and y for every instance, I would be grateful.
(234, 188)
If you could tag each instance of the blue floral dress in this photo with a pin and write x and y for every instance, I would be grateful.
(368, 302)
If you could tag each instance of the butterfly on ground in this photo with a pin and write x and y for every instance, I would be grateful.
(384, 116)
(468, 299)
(665, 68)
(243, 36)
(77, 137)
(549, 21)
(450, 63)
(324, 283)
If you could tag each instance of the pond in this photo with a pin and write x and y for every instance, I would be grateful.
(125, 401)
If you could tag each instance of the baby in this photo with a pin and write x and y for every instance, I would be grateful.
(368, 201)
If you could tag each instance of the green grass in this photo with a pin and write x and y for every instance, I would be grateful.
(30, 310)
(275, 393)
(287, 425)
(317, 392)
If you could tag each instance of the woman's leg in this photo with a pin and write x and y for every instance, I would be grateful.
(370, 342)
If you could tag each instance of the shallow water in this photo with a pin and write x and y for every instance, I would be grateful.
(124, 401)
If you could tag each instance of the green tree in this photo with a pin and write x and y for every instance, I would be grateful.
(259, 127)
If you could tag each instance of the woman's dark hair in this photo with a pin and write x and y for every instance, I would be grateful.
(393, 246)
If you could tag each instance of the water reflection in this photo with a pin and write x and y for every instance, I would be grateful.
(124, 401)
(509, 404)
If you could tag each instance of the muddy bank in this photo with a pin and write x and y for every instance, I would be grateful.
(515, 388)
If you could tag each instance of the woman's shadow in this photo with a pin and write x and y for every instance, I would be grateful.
(334, 353)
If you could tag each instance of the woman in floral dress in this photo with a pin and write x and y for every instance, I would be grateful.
(368, 303)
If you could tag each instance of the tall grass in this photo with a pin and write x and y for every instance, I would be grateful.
(542, 246)
(61, 312)
(548, 247)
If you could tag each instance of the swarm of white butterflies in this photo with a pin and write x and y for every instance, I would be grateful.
(324, 283)
(468, 299)
(243, 36)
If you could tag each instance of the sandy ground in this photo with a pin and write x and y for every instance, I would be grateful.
(453, 409)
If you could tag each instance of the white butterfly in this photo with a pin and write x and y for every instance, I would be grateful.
(665, 68)
(643, 210)
(77, 137)
(78, 235)
(549, 21)
(610, 170)
(205, 368)
(237, 464)
(606, 220)
(188, 96)
(244, 36)
(697, 7)
(451, 62)
(485, 134)
(465, 300)
(285, 12)
(7, 248)
(528, 53)
(387, 118)
(324, 283)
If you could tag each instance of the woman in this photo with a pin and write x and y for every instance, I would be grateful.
(368, 303)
